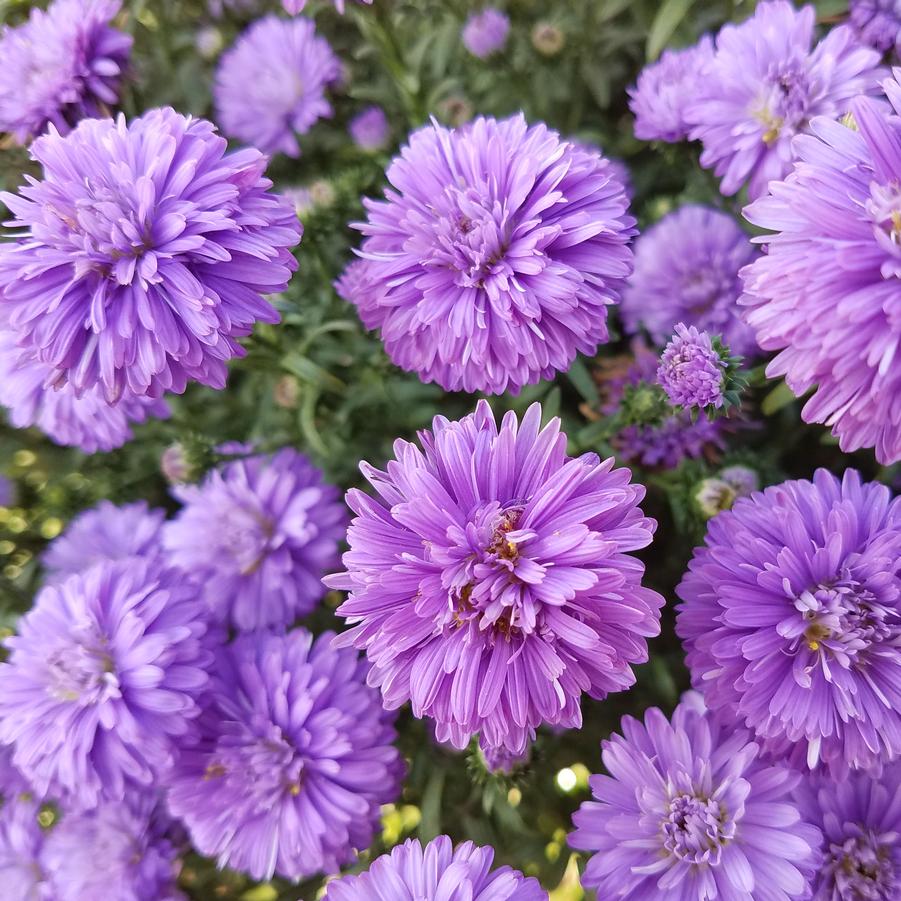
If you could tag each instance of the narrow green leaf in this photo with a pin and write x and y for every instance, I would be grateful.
(781, 396)
(666, 21)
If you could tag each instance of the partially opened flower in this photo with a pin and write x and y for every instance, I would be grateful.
(791, 618)
(490, 579)
(370, 129)
(691, 371)
(485, 32)
(294, 761)
(877, 22)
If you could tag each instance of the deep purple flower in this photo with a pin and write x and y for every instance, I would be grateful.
(61, 66)
(369, 128)
(490, 583)
(270, 86)
(826, 294)
(258, 535)
(485, 32)
(764, 85)
(495, 255)
(145, 253)
(438, 872)
(105, 532)
(88, 422)
(791, 618)
(689, 811)
(102, 678)
(860, 820)
(877, 22)
(691, 371)
(664, 89)
(687, 270)
(294, 761)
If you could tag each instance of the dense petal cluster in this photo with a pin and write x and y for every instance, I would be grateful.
(490, 582)
(687, 270)
(485, 32)
(294, 760)
(689, 811)
(370, 129)
(437, 872)
(827, 293)
(493, 258)
(877, 22)
(60, 66)
(691, 371)
(145, 253)
(664, 89)
(791, 617)
(258, 535)
(270, 86)
(764, 85)
(101, 680)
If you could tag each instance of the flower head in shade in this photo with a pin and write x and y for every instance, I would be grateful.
(764, 85)
(791, 618)
(690, 811)
(437, 872)
(294, 760)
(485, 32)
(145, 253)
(258, 534)
(877, 22)
(270, 86)
(60, 66)
(88, 421)
(490, 581)
(826, 294)
(664, 89)
(860, 819)
(105, 532)
(691, 371)
(494, 255)
(370, 129)
(687, 270)
(102, 679)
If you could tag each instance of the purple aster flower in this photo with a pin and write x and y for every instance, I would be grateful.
(486, 32)
(691, 371)
(791, 618)
(102, 678)
(665, 88)
(826, 294)
(89, 422)
(502, 761)
(270, 86)
(689, 811)
(258, 535)
(490, 583)
(764, 85)
(105, 532)
(437, 872)
(294, 761)
(860, 820)
(687, 270)
(742, 479)
(369, 128)
(61, 66)
(146, 251)
(877, 22)
(494, 257)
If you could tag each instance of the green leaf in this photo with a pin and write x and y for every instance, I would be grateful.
(666, 21)
(781, 396)
(582, 381)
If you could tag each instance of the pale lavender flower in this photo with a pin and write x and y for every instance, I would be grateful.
(744, 480)
(486, 32)
(877, 22)
(369, 128)
(691, 371)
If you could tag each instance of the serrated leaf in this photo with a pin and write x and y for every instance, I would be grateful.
(665, 23)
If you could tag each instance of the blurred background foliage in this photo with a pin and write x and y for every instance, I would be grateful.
(320, 383)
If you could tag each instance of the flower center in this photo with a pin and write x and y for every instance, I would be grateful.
(246, 536)
(696, 829)
(884, 209)
(83, 672)
(784, 106)
(862, 868)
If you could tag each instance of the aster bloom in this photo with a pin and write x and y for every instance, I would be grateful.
(490, 582)
(691, 371)
(437, 872)
(102, 679)
(105, 532)
(270, 86)
(764, 85)
(486, 32)
(826, 293)
(294, 760)
(258, 534)
(689, 811)
(146, 251)
(860, 820)
(61, 66)
(495, 254)
(687, 270)
(791, 619)
(877, 22)
(664, 89)
(369, 128)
